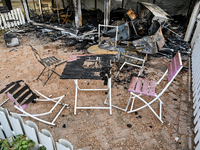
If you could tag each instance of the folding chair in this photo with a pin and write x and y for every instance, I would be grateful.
(21, 96)
(66, 17)
(50, 63)
(139, 86)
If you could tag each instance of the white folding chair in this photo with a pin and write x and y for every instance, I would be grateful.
(139, 86)
(21, 95)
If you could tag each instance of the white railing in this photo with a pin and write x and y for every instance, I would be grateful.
(12, 125)
(15, 15)
(195, 65)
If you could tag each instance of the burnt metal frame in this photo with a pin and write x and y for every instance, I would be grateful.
(53, 61)
(106, 26)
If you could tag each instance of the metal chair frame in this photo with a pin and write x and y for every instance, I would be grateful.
(14, 93)
(173, 69)
(47, 63)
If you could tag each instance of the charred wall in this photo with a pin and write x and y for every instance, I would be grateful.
(173, 7)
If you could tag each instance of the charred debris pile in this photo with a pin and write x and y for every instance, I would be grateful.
(149, 31)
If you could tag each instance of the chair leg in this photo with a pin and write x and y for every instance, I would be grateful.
(41, 73)
(48, 77)
(76, 93)
(55, 72)
(105, 102)
(131, 96)
(148, 104)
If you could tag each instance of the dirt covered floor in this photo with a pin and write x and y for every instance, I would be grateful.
(96, 129)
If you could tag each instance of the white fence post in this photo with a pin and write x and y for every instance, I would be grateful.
(13, 125)
(196, 85)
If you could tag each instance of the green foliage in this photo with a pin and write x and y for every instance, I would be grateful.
(42, 148)
(20, 142)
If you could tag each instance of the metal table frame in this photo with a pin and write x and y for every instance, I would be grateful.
(108, 96)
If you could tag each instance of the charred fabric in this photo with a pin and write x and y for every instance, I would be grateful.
(150, 31)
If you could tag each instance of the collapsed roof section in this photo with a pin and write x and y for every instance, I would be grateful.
(159, 14)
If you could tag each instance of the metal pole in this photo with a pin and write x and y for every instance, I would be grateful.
(106, 12)
(57, 11)
(34, 4)
(26, 10)
(78, 13)
(40, 6)
(192, 22)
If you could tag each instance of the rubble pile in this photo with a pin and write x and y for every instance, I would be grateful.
(150, 31)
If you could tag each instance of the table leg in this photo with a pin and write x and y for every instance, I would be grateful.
(76, 93)
(109, 84)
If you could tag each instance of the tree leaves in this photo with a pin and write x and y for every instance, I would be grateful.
(20, 142)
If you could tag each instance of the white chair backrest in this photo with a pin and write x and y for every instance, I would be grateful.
(174, 66)
(63, 144)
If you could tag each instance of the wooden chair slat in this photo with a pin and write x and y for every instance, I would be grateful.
(152, 88)
(174, 66)
(173, 71)
(132, 84)
(145, 87)
(138, 85)
(178, 61)
(170, 72)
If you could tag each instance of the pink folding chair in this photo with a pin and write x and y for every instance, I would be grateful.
(139, 86)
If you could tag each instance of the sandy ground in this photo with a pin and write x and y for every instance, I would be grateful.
(96, 129)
